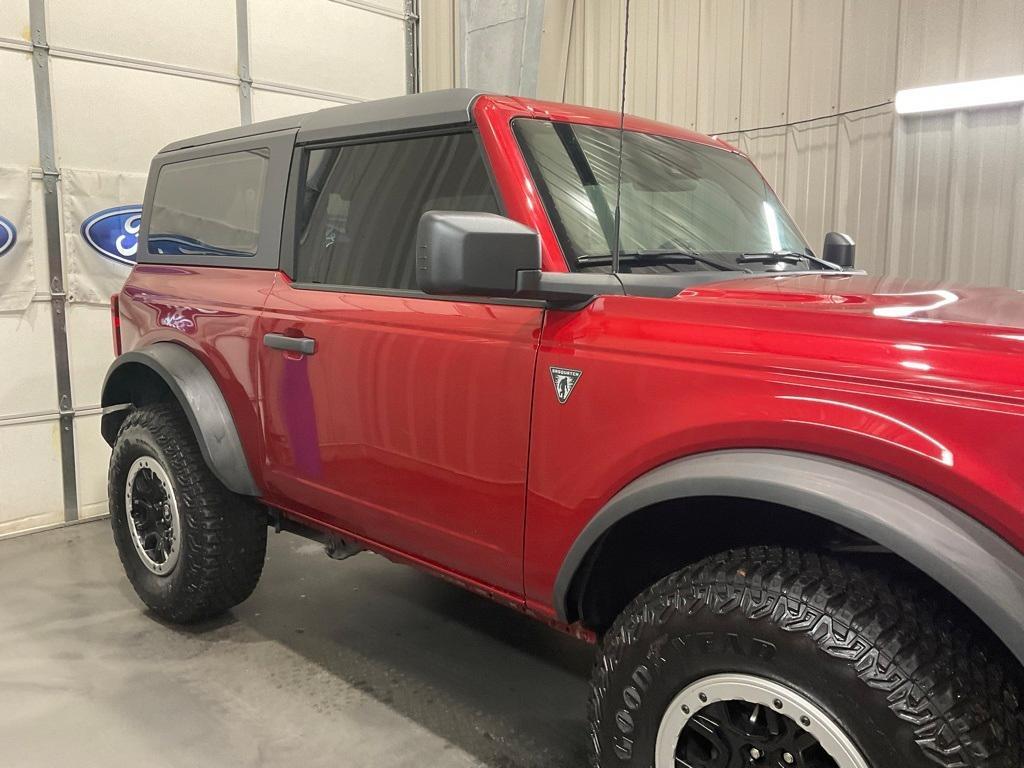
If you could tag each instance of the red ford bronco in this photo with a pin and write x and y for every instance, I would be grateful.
(595, 372)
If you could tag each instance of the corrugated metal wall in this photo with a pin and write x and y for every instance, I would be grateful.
(790, 82)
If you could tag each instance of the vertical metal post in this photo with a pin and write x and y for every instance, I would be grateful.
(58, 298)
(244, 75)
(412, 46)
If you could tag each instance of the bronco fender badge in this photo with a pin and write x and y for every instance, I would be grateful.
(564, 380)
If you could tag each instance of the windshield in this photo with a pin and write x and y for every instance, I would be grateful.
(684, 206)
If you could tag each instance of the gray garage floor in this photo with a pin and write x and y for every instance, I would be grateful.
(358, 663)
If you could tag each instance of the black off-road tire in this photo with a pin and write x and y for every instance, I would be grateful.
(224, 535)
(905, 679)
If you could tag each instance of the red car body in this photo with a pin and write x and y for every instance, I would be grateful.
(428, 429)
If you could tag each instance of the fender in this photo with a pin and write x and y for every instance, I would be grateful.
(200, 398)
(977, 566)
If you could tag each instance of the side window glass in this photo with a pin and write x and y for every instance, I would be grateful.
(361, 204)
(209, 205)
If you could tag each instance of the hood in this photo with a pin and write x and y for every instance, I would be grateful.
(891, 302)
(882, 328)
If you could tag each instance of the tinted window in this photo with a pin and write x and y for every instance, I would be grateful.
(361, 205)
(209, 205)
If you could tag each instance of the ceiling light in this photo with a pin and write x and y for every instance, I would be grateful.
(976, 93)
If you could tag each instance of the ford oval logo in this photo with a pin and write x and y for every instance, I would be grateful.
(114, 232)
(8, 235)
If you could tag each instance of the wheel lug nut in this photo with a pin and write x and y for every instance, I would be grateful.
(755, 753)
(787, 758)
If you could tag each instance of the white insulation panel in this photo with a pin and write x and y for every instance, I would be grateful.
(197, 34)
(266, 105)
(30, 488)
(91, 456)
(301, 41)
(101, 123)
(18, 144)
(14, 20)
(27, 336)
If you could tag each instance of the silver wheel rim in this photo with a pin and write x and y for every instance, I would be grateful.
(152, 515)
(759, 691)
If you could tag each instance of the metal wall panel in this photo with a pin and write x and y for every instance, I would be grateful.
(868, 67)
(767, 148)
(439, 53)
(863, 167)
(809, 189)
(575, 73)
(642, 93)
(678, 54)
(720, 66)
(992, 39)
(603, 31)
(981, 250)
(929, 42)
(921, 182)
(764, 89)
(815, 50)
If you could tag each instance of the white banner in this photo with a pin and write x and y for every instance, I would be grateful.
(102, 211)
(17, 270)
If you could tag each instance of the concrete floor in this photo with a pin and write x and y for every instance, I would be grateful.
(357, 663)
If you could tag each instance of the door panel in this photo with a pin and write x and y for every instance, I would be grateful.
(408, 424)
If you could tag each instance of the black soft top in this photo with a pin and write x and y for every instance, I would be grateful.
(402, 113)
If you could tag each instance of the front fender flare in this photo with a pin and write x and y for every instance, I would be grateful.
(196, 391)
(976, 565)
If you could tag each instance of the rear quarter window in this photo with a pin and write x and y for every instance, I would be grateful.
(209, 205)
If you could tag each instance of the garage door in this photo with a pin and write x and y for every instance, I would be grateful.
(91, 92)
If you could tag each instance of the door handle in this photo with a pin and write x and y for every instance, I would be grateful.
(303, 345)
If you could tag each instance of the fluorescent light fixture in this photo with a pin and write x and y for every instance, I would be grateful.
(976, 93)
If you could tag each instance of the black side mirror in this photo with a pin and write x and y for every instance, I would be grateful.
(839, 249)
(473, 254)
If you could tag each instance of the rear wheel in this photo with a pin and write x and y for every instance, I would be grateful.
(773, 658)
(191, 548)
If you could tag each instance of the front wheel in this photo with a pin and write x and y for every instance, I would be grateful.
(771, 658)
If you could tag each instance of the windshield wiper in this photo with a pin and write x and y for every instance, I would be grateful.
(654, 257)
(790, 257)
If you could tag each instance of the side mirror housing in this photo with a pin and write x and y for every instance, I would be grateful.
(473, 254)
(839, 249)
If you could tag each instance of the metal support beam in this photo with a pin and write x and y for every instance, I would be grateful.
(58, 298)
(244, 74)
(412, 46)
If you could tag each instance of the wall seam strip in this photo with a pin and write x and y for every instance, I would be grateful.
(58, 298)
(127, 62)
(244, 72)
(380, 10)
(412, 46)
(130, 62)
(14, 44)
(295, 90)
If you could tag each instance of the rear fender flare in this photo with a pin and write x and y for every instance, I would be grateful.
(968, 559)
(196, 391)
